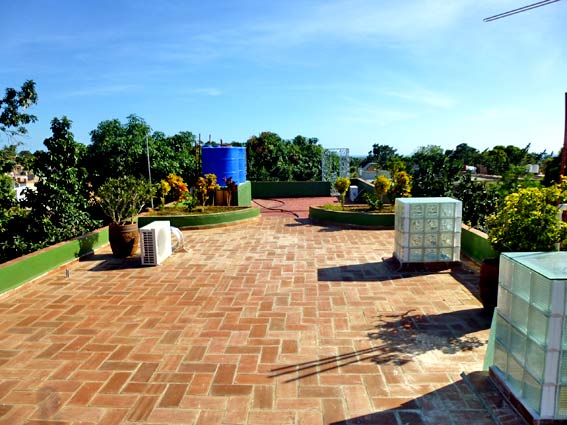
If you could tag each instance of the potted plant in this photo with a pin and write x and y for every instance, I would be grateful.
(122, 199)
(526, 221)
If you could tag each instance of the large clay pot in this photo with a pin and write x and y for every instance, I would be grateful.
(488, 284)
(124, 239)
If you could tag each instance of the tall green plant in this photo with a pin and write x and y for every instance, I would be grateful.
(59, 205)
(479, 200)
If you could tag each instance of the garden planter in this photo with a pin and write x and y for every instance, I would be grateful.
(488, 283)
(123, 238)
(220, 198)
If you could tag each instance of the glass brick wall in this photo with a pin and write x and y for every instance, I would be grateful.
(530, 330)
(427, 229)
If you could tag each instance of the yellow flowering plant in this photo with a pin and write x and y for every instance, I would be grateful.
(382, 185)
(528, 220)
(341, 185)
(205, 187)
(178, 187)
(163, 189)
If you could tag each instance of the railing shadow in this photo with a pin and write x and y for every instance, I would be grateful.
(399, 338)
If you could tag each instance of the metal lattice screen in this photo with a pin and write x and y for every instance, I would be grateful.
(335, 163)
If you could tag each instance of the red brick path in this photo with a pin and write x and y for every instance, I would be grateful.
(291, 207)
(275, 321)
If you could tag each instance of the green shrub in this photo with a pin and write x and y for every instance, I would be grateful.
(527, 220)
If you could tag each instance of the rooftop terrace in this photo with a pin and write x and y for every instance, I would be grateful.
(274, 321)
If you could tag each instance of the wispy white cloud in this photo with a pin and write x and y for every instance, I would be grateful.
(354, 111)
(423, 96)
(357, 21)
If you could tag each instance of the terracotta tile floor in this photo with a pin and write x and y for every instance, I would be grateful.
(275, 321)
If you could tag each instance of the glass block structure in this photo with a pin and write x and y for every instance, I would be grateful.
(334, 163)
(530, 353)
(428, 230)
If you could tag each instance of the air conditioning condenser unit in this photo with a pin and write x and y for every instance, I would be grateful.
(155, 242)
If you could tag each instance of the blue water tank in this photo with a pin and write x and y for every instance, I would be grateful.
(225, 162)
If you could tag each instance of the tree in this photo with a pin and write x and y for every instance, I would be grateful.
(305, 156)
(118, 150)
(430, 171)
(123, 147)
(552, 167)
(8, 158)
(13, 118)
(60, 202)
(265, 156)
(381, 155)
(465, 155)
(182, 146)
(395, 165)
(495, 160)
(479, 200)
(271, 158)
(25, 158)
(7, 200)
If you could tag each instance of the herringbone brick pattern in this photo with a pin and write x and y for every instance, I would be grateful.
(275, 321)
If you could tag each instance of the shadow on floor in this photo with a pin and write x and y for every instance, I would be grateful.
(109, 262)
(327, 227)
(406, 335)
(401, 337)
(472, 400)
(388, 269)
(299, 222)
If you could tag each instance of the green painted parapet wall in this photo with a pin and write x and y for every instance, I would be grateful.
(475, 245)
(266, 190)
(20, 270)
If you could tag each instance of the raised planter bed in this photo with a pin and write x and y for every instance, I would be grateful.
(350, 218)
(196, 221)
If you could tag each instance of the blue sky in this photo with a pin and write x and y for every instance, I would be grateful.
(351, 73)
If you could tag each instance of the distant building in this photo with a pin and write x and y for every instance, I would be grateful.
(22, 180)
(371, 171)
